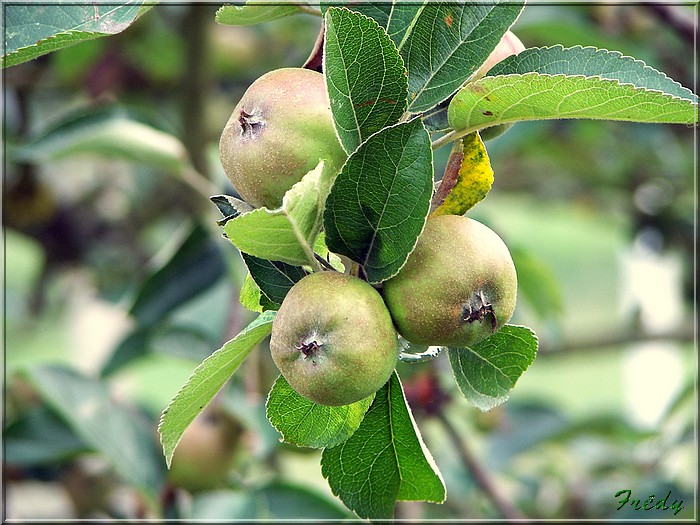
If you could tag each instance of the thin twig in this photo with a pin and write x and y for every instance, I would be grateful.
(198, 182)
(446, 139)
(480, 475)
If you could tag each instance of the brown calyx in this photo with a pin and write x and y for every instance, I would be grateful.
(477, 308)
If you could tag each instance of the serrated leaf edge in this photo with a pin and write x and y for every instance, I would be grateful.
(498, 400)
(619, 55)
(403, 64)
(669, 97)
(169, 455)
(284, 438)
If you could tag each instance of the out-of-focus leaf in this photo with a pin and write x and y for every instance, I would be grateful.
(39, 437)
(134, 345)
(366, 79)
(309, 424)
(384, 461)
(185, 342)
(120, 433)
(487, 371)
(206, 380)
(537, 283)
(112, 132)
(195, 266)
(380, 200)
(255, 12)
(277, 500)
(32, 30)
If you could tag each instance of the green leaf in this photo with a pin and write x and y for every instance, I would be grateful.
(308, 424)
(322, 250)
(134, 345)
(591, 62)
(121, 434)
(32, 30)
(435, 119)
(395, 17)
(206, 380)
(112, 132)
(286, 234)
(255, 12)
(365, 76)
(380, 200)
(194, 267)
(273, 278)
(565, 83)
(447, 43)
(384, 461)
(252, 298)
(487, 371)
(40, 437)
(230, 207)
(250, 295)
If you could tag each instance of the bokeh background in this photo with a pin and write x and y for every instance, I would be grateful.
(118, 283)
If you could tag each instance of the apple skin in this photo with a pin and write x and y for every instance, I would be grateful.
(333, 339)
(278, 132)
(441, 295)
(206, 452)
(509, 45)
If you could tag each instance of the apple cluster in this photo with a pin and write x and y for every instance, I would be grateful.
(335, 338)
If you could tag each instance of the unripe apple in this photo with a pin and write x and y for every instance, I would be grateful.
(206, 452)
(457, 287)
(509, 45)
(333, 339)
(277, 133)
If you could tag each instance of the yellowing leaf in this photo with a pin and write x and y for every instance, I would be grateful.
(474, 179)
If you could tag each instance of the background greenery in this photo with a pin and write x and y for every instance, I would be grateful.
(116, 271)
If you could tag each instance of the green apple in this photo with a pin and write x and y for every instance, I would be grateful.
(278, 132)
(457, 287)
(333, 339)
(205, 454)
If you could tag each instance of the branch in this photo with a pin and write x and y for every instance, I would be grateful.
(480, 475)
(674, 17)
(683, 334)
(310, 10)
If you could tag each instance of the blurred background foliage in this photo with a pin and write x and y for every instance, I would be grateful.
(118, 283)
